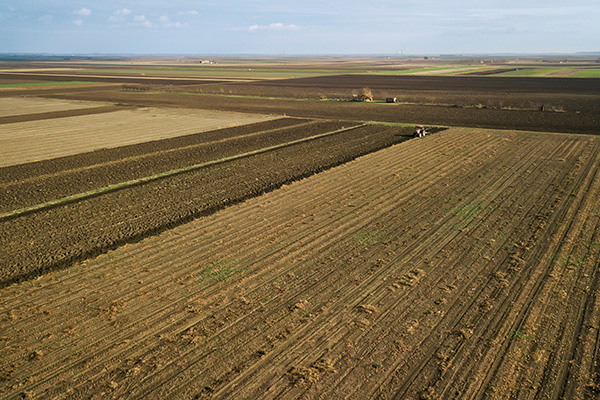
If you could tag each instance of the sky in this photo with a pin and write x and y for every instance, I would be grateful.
(278, 27)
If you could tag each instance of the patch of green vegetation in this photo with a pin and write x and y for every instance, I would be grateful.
(43, 84)
(541, 71)
(575, 261)
(410, 71)
(518, 335)
(369, 237)
(219, 270)
(468, 211)
(401, 124)
(590, 73)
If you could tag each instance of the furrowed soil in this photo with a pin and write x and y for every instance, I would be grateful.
(498, 118)
(579, 95)
(54, 237)
(459, 265)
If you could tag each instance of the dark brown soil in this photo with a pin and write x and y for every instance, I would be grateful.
(38, 242)
(492, 71)
(30, 77)
(132, 162)
(447, 83)
(567, 122)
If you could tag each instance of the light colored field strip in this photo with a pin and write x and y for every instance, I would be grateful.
(166, 174)
(11, 106)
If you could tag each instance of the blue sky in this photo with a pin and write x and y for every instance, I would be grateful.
(299, 27)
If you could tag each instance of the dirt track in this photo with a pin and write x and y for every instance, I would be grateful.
(53, 238)
(461, 265)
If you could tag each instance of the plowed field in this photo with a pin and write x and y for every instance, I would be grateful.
(460, 265)
(585, 122)
(58, 211)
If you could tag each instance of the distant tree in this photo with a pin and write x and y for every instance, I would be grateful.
(366, 94)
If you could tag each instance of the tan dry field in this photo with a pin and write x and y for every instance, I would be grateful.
(29, 141)
(28, 105)
(460, 265)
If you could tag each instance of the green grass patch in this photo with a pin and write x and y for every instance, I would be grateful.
(218, 271)
(408, 71)
(590, 73)
(402, 124)
(369, 237)
(533, 72)
(43, 84)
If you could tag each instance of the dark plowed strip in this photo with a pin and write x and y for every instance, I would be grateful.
(16, 173)
(74, 185)
(55, 238)
(588, 123)
(450, 83)
(62, 114)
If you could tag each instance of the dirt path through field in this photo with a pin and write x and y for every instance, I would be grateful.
(459, 265)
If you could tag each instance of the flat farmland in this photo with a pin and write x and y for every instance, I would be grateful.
(433, 114)
(29, 141)
(58, 211)
(522, 93)
(24, 105)
(459, 265)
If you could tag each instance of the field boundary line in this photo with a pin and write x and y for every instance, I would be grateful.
(147, 179)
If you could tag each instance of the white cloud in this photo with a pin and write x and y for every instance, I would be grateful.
(124, 11)
(45, 18)
(191, 12)
(277, 26)
(78, 22)
(83, 11)
(119, 14)
(140, 20)
(167, 23)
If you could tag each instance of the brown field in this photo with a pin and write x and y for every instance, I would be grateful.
(30, 141)
(21, 106)
(484, 117)
(35, 242)
(241, 240)
(460, 265)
